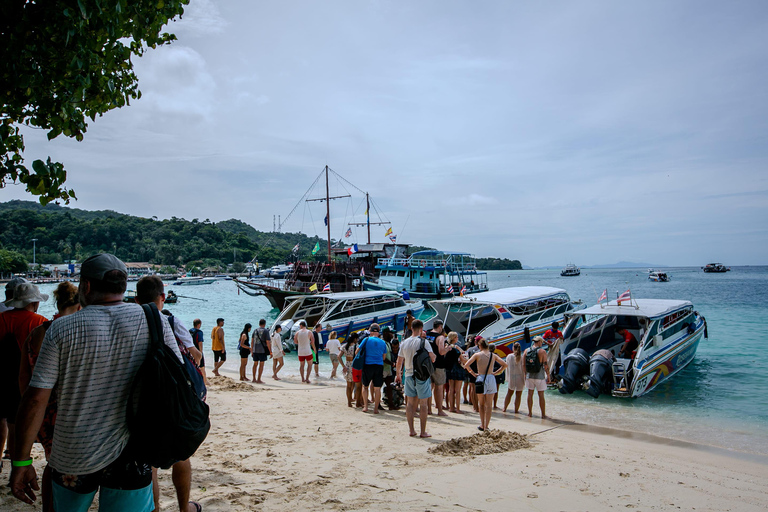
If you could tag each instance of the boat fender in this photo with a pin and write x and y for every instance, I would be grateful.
(422, 263)
(442, 263)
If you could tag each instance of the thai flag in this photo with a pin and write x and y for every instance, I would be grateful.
(463, 291)
(393, 238)
(351, 250)
(295, 248)
(603, 296)
(348, 233)
(450, 289)
(327, 287)
(624, 296)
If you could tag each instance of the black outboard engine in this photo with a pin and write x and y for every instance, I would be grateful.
(575, 367)
(600, 373)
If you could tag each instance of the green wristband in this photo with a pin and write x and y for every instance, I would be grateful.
(21, 463)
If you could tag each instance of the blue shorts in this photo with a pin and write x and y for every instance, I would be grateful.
(110, 500)
(417, 388)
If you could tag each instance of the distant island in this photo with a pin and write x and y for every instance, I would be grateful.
(70, 234)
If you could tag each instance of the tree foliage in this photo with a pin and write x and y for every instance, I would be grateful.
(498, 264)
(66, 61)
(12, 262)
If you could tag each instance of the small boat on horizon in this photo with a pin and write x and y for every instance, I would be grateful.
(659, 277)
(716, 268)
(570, 270)
(668, 333)
(190, 281)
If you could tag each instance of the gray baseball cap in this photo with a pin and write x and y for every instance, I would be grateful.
(96, 266)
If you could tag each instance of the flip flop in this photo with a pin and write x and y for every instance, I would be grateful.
(198, 507)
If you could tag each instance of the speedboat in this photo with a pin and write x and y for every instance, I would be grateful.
(501, 316)
(661, 277)
(429, 274)
(188, 281)
(668, 333)
(345, 312)
(279, 271)
(570, 270)
(715, 268)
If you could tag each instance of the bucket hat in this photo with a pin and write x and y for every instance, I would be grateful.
(25, 293)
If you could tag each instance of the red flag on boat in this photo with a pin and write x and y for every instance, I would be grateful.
(624, 296)
(603, 296)
(327, 287)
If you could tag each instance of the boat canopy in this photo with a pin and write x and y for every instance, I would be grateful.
(434, 252)
(508, 296)
(648, 308)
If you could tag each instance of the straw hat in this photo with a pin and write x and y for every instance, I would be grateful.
(24, 294)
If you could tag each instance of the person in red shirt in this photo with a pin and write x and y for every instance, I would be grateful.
(15, 326)
(630, 343)
(553, 337)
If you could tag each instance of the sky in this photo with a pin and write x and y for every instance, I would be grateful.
(550, 132)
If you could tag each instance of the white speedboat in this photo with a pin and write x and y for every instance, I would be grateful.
(667, 331)
(189, 281)
(570, 270)
(659, 277)
(345, 312)
(279, 271)
(501, 316)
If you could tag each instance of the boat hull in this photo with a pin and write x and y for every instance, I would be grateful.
(667, 362)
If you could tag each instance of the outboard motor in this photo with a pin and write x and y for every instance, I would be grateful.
(600, 373)
(575, 367)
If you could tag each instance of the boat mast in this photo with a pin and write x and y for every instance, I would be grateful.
(368, 222)
(328, 212)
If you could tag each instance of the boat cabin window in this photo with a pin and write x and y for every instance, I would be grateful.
(680, 322)
(401, 273)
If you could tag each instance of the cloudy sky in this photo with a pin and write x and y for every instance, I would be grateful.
(550, 132)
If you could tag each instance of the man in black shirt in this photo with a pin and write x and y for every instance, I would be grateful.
(439, 348)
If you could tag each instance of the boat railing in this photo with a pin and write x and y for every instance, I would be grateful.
(447, 263)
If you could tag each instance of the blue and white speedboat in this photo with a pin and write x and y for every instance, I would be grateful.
(345, 312)
(667, 333)
(429, 274)
(501, 316)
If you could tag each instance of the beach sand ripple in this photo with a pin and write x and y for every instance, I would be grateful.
(226, 384)
(482, 443)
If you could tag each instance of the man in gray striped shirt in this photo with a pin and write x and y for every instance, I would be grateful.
(92, 357)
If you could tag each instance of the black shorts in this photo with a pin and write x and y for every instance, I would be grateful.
(219, 355)
(244, 352)
(202, 360)
(260, 357)
(373, 373)
(125, 474)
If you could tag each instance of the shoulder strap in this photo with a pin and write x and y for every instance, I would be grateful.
(153, 321)
(490, 363)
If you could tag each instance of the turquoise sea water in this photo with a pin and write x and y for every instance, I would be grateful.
(720, 399)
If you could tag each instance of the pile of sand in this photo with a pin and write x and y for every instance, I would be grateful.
(226, 384)
(482, 443)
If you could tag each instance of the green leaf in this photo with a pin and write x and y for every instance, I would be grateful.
(40, 167)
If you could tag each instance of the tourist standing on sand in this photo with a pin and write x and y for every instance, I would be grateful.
(244, 347)
(389, 377)
(436, 338)
(515, 377)
(197, 339)
(15, 326)
(277, 351)
(334, 349)
(419, 392)
(305, 345)
(67, 303)
(485, 360)
(260, 349)
(470, 384)
(354, 387)
(108, 337)
(150, 289)
(407, 324)
(455, 372)
(537, 381)
(318, 347)
(553, 338)
(218, 346)
(373, 368)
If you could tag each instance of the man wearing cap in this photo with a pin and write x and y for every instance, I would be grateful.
(537, 381)
(373, 367)
(92, 356)
(22, 298)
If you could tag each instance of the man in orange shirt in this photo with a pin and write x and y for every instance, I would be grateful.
(15, 326)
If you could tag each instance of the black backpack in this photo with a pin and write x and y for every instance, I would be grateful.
(422, 363)
(166, 419)
(532, 362)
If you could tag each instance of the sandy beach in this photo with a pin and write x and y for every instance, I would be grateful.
(289, 446)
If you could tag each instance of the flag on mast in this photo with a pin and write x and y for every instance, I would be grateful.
(450, 289)
(463, 291)
(624, 296)
(603, 296)
(351, 250)
(327, 287)
(316, 249)
(393, 238)
(389, 232)
(326, 220)
(313, 288)
(295, 249)
(348, 233)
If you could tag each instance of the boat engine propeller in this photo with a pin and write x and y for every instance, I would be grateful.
(576, 366)
(600, 373)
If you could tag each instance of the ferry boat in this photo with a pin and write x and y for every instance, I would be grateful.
(429, 274)
(570, 270)
(660, 277)
(189, 281)
(715, 268)
(501, 316)
(345, 312)
(668, 333)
